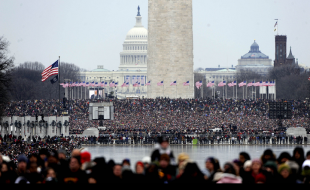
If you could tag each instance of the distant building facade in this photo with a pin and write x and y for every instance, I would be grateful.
(255, 61)
(132, 67)
(280, 52)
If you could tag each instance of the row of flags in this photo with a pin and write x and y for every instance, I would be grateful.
(92, 84)
(243, 83)
(174, 83)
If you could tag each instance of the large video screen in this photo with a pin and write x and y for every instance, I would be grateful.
(93, 94)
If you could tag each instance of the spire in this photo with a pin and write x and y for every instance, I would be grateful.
(290, 56)
(138, 11)
(138, 19)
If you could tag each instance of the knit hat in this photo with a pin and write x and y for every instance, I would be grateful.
(292, 165)
(85, 157)
(271, 164)
(140, 163)
(247, 163)
(256, 161)
(260, 178)
(306, 163)
(126, 161)
(283, 167)
(22, 158)
(146, 160)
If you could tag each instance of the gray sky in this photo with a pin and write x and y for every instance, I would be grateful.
(91, 33)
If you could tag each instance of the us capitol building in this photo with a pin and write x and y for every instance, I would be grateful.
(132, 68)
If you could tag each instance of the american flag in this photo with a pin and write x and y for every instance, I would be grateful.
(223, 83)
(82, 83)
(186, 83)
(174, 83)
(160, 83)
(127, 84)
(102, 84)
(242, 83)
(209, 84)
(148, 83)
(112, 84)
(87, 84)
(198, 84)
(250, 84)
(124, 84)
(265, 83)
(116, 84)
(92, 84)
(136, 84)
(256, 84)
(309, 78)
(50, 71)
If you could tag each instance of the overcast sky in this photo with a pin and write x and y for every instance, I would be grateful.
(90, 33)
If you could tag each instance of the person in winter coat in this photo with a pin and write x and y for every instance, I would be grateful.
(285, 174)
(229, 175)
(163, 148)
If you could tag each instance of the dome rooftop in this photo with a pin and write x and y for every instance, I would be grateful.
(138, 32)
(254, 53)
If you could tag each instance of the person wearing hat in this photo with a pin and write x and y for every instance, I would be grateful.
(146, 161)
(163, 148)
(22, 165)
(285, 174)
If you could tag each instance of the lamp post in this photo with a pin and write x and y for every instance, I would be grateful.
(98, 87)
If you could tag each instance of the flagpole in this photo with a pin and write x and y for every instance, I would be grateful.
(246, 90)
(59, 81)
(275, 90)
(236, 89)
(176, 89)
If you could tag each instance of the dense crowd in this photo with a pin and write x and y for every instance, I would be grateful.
(51, 166)
(12, 146)
(171, 116)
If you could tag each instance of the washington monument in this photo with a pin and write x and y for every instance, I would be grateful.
(170, 49)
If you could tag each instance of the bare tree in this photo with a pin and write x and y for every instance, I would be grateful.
(6, 64)
(27, 85)
(290, 82)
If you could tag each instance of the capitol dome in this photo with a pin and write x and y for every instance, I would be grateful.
(137, 33)
(134, 54)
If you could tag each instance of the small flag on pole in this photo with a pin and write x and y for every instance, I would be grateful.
(55, 79)
(160, 83)
(186, 83)
(148, 83)
(173, 83)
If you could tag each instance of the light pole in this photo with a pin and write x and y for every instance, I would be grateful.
(98, 87)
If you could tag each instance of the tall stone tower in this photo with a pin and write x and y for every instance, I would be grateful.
(280, 51)
(170, 48)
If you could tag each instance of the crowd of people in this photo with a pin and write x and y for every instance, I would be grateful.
(171, 116)
(12, 146)
(52, 166)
